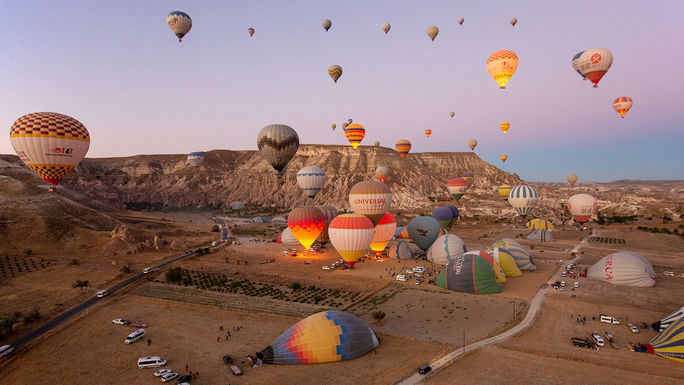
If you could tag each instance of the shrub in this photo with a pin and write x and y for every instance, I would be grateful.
(318, 298)
(379, 316)
(174, 275)
(74, 262)
(34, 315)
(295, 286)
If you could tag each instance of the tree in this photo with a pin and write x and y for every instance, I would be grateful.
(295, 286)
(174, 275)
(80, 284)
(379, 317)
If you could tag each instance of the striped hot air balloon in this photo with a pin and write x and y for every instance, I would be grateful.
(469, 177)
(403, 147)
(669, 343)
(278, 144)
(501, 65)
(428, 132)
(370, 198)
(180, 23)
(582, 207)
(504, 126)
(311, 180)
(50, 144)
(469, 273)
(351, 235)
(381, 173)
(335, 72)
(498, 273)
(354, 133)
(457, 187)
(329, 213)
(622, 105)
(523, 199)
(195, 159)
(594, 63)
(503, 191)
(445, 248)
(443, 215)
(383, 233)
(506, 261)
(522, 256)
(306, 224)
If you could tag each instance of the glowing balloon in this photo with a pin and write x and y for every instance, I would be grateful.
(460, 21)
(514, 21)
(329, 213)
(503, 191)
(572, 178)
(311, 180)
(386, 27)
(622, 105)
(432, 32)
(504, 126)
(582, 207)
(457, 187)
(335, 72)
(195, 159)
(472, 143)
(351, 235)
(452, 114)
(306, 224)
(250, 31)
(382, 172)
(333, 126)
(575, 64)
(278, 144)
(354, 133)
(370, 198)
(383, 233)
(326, 24)
(403, 147)
(503, 157)
(180, 23)
(523, 199)
(502, 65)
(594, 63)
(428, 132)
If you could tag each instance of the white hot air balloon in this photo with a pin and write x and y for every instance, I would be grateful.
(386, 27)
(594, 63)
(311, 180)
(180, 23)
(624, 268)
(582, 207)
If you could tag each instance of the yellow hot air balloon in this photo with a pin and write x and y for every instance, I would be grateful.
(428, 132)
(503, 157)
(504, 127)
(472, 143)
(354, 133)
(403, 147)
(502, 65)
(335, 72)
(452, 114)
(333, 126)
(572, 178)
(432, 32)
(503, 191)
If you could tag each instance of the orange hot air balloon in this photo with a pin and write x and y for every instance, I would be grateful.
(403, 147)
(503, 157)
(622, 105)
(502, 65)
(383, 234)
(354, 133)
(306, 224)
(351, 235)
(428, 132)
(370, 198)
(504, 127)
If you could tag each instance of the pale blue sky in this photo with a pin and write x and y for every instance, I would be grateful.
(117, 68)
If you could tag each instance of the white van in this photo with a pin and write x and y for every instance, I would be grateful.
(6, 350)
(419, 269)
(150, 362)
(135, 336)
(401, 278)
(609, 319)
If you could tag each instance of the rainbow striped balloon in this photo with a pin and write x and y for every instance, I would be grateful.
(403, 147)
(354, 133)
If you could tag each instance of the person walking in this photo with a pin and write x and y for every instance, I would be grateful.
(149, 341)
(218, 339)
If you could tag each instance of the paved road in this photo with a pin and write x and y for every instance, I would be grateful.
(67, 315)
(535, 305)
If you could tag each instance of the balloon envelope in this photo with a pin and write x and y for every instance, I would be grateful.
(575, 64)
(622, 105)
(180, 23)
(195, 159)
(503, 191)
(670, 343)
(594, 63)
(460, 21)
(454, 214)
(335, 72)
(423, 231)
(504, 127)
(624, 268)
(432, 32)
(382, 172)
(457, 187)
(506, 261)
(572, 178)
(446, 248)
(278, 144)
(469, 177)
(311, 180)
(514, 21)
(306, 224)
(498, 273)
(351, 235)
(522, 256)
(469, 273)
(443, 215)
(329, 213)
(501, 65)
(370, 198)
(503, 157)
(582, 207)
(326, 24)
(400, 250)
(250, 31)
(354, 134)
(428, 132)
(403, 147)
(472, 143)
(383, 233)
(386, 27)
(523, 199)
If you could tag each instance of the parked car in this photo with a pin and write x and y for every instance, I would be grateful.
(417, 281)
(169, 376)
(564, 274)
(227, 359)
(6, 350)
(162, 372)
(562, 283)
(236, 370)
(576, 284)
(326, 267)
(184, 379)
(401, 278)
(120, 321)
(633, 329)
(668, 273)
(681, 275)
(609, 319)
(424, 369)
(597, 339)
(148, 270)
(102, 293)
(419, 269)
(580, 342)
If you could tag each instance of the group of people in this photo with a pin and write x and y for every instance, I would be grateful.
(221, 328)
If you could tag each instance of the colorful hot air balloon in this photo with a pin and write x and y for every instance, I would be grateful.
(594, 63)
(502, 65)
(452, 114)
(400, 250)
(460, 21)
(180, 23)
(326, 24)
(386, 27)
(306, 224)
(503, 157)
(311, 180)
(443, 215)
(446, 248)
(469, 177)
(370, 198)
(523, 199)
(278, 144)
(403, 147)
(383, 233)
(514, 21)
(50, 144)
(354, 133)
(498, 273)
(506, 261)
(428, 132)
(333, 126)
(287, 238)
(503, 191)
(582, 207)
(327, 336)
(504, 126)
(454, 214)
(432, 32)
(624, 268)
(423, 231)
(575, 64)
(472, 143)
(329, 213)
(351, 235)
(382, 172)
(572, 178)
(335, 72)
(622, 105)
(250, 31)
(669, 343)
(457, 187)
(469, 273)
(521, 255)
(195, 159)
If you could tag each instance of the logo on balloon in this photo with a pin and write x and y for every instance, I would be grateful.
(595, 58)
(371, 201)
(609, 267)
(63, 150)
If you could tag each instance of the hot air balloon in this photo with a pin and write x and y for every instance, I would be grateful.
(329, 213)
(572, 178)
(521, 255)
(344, 125)
(506, 261)
(443, 215)
(498, 273)
(582, 207)
(382, 172)
(514, 21)
(469, 273)
(594, 63)
(469, 177)
(400, 250)
(327, 336)
(457, 187)
(624, 268)
(383, 233)
(50, 144)
(668, 320)
(622, 105)
(351, 235)
(350, 121)
(335, 72)
(311, 180)
(370, 198)
(423, 231)
(575, 64)
(454, 214)
(403, 147)
(669, 343)
(539, 224)
(472, 143)
(503, 191)
(452, 114)
(195, 159)
(503, 157)
(386, 27)
(446, 248)
(502, 65)
(523, 199)
(428, 132)
(460, 21)
(541, 235)
(333, 126)
(250, 31)
(326, 24)
(354, 133)
(504, 126)
(306, 224)
(432, 32)
(180, 23)
(278, 144)
(287, 238)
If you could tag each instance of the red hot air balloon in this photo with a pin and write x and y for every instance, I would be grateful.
(306, 224)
